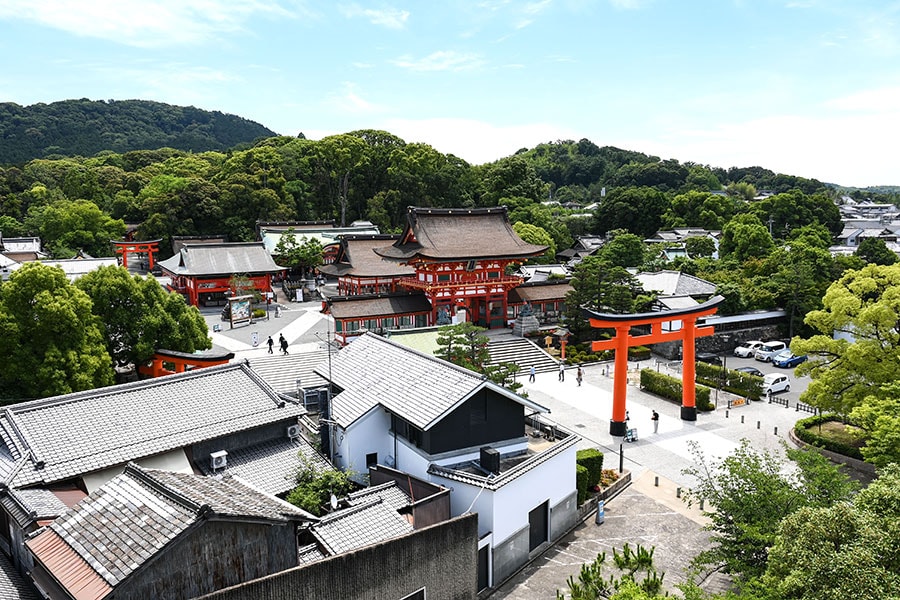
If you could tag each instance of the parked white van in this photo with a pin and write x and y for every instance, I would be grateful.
(768, 350)
(776, 382)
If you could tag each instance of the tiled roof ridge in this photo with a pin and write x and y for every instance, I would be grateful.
(487, 210)
(145, 477)
(430, 357)
(371, 489)
(346, 512)
(187, 247)
(262, 383)
(112, 389)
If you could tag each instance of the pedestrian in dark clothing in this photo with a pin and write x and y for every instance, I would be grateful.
(283, 343)
(562, 371)
(655, 419)
(531, 373)
(270, 342)
(579, 375)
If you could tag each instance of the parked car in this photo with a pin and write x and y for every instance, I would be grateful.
(787, 359)
(768, 350)
(708, 357)
(750, 371)
(747, 349)
(776, 382)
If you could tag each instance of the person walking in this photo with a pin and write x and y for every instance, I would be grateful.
(531, 373)
(579, 375)
(655, 419)
(270, 343)
(283, 344)
(562, 371)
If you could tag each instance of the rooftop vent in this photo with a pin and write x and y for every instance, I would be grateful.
(218, 460)
(490, 459)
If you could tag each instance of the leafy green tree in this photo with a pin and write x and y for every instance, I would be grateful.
(293, 254)
(337, 158)
(792, 209)
(879, 417)
(864, 306)
(623, 249)
(138, 317)
(51, 341)
(874, 250)
(843, 551)
(509, 178)
(635, 577)
(67, 226)
(699, 209)
(314, 487)
(752, 493)
(465, 344)
(538, 236)
(636, 209)
(744, 237)
(700, 246)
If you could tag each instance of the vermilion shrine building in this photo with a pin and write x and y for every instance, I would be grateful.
(202, 272)
(448, 262)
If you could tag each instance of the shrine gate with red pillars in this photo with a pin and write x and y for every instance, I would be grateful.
(623, 340)
(149, 248)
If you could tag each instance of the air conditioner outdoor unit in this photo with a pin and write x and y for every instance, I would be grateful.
(293, 431)
(218, 460)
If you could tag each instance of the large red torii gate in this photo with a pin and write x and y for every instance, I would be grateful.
(688, 333)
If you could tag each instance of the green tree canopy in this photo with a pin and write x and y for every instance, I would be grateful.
(533, 234)
(863, 306)
(51, 341)
(67, 226)
(636, 209)
(744, 237)
(139, 317)
(623, 249)
(874, 250)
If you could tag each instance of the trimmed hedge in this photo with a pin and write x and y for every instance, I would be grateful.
(592, 460)
(639, 353)
(670, 388)
(805, 429)
(581, 483)
(737, 382)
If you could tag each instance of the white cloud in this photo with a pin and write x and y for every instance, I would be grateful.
(144, 23)
(392, 18)
(349, 101)
(444, 60)
(885, 99)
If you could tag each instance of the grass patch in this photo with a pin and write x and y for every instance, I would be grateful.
(840, 433)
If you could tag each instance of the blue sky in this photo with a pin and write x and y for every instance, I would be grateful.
(804, 87)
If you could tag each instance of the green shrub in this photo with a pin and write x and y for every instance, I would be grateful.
(806, 430)
(639, 353)
(592, 460)
(581, 482)
(736, 382)
(258, 313)
(670, 388)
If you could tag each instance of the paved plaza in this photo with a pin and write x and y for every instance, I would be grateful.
(648, 512)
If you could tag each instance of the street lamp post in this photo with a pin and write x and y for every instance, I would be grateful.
(725, 340)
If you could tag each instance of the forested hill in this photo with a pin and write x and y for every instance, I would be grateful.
(86, 127)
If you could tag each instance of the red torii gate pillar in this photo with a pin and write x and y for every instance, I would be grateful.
(688, 334)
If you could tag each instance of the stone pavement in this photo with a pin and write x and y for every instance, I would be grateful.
(648, 512)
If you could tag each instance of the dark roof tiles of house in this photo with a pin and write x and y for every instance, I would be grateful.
(378, 306)
(30, 506)
(12, 585)
(420, 388)
(359, 526)
(445, 234)
(128, 520)
(67, 436)
(221, 259)
(389, 492)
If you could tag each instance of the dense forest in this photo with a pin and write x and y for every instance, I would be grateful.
(86, 127)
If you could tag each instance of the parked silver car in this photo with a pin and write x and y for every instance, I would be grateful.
(768, 350)
(747, 349)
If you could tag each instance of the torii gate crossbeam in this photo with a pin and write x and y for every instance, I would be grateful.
(623, 340)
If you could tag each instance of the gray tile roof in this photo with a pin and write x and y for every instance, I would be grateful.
(282, 372)
(356, 258)
(131, 518)
(390, 493)
(539, 292)
(272, 466)
(675, 283)
(359, 526)
(30, 506)
(379, 306)
(68, 436)
(459, 234)
(12, 585)
(421, 388)
(221, 259)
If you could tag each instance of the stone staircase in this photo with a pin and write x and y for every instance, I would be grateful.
(523, 352)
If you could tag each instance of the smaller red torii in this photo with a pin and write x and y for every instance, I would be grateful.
(181, 362)
(688, 333)
(149, 247)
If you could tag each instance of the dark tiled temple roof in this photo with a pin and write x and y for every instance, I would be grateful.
(539, 292)
(356, 258)
(379, 306)
(458, 234)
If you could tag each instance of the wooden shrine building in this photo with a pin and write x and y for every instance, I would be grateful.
(360, 271)
(202, 272)
(460, 258)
